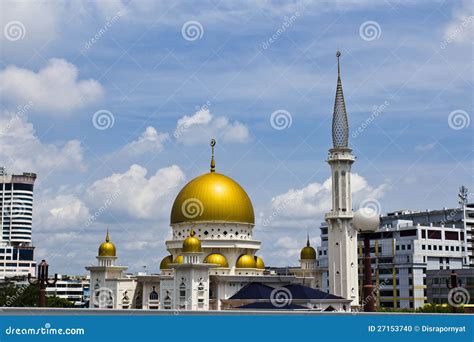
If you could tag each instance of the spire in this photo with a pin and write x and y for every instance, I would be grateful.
(213, 163)
(107, 236)
(340, 125)
(307, 242)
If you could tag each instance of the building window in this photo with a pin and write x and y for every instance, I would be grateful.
(153, 294)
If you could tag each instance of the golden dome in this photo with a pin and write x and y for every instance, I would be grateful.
(259, 263)
(308, 252)
(217, 259)
(164, 264)
(178, 260)
(212, 197)
(246, 261)
(192, 244)
(107, 248)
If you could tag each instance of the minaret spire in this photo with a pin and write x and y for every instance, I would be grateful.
(213, 163)
(107, 236)
(340, 125)
(307, 242)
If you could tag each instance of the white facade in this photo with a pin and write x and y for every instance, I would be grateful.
(16, 217)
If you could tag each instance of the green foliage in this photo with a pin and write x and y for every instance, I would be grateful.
(56, 302)
(27, 296)
(19, 296)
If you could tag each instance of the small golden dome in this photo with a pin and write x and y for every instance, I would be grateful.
(308, 252)
(192, 244)
(218, 259)
(178, 260)
(212, 197)
(107, 248)
(246, 261)
(164, 264)
(259, 263)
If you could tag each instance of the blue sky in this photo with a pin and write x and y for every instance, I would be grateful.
(408, 76)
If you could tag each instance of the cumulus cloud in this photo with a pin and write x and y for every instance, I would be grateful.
(302, 206)
(22, 150)
(136, 195)
(60, 211)
(202, 126)
(54, 89)
(150, 141)
(460, 27)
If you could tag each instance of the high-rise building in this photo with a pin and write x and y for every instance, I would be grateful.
(406, 247)
(342, 237)
(16, 218)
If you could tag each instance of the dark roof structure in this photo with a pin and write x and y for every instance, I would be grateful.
(304, 292)
(271, 306)
(253, 291)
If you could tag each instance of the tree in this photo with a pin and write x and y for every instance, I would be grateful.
(27, 296)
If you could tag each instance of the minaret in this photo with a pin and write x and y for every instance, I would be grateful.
(342, 237)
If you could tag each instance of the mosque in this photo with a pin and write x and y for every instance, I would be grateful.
(214, 261)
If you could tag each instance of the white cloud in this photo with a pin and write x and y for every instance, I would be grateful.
(60, 211)
(54, 89)
(149, 142)
(21, 150)
(138, 196)
(296, 206)
(202, 126)
(460, 28)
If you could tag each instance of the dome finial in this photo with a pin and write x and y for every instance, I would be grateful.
(307, 242)
(213, 163)
(107, 236)
(338, 54)
(192, 233)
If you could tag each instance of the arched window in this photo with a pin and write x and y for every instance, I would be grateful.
(153, 294)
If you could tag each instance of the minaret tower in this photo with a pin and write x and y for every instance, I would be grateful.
(342, 237)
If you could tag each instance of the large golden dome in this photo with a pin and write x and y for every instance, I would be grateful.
(212, 197)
